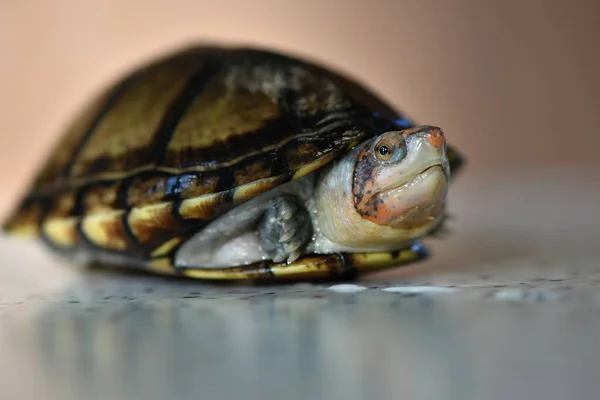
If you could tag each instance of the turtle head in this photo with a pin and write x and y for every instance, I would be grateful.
(401, 179)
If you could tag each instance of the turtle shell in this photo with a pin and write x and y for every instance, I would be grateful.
(183, 139)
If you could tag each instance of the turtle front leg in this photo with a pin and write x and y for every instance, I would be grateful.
(284, 229)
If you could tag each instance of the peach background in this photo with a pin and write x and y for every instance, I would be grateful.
(514, 83)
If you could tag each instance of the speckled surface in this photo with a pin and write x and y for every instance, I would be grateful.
(507, 306)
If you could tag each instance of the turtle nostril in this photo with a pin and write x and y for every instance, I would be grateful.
(436, 137)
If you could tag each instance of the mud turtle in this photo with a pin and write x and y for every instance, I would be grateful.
(239, 163)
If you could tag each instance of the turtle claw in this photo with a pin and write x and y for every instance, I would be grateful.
(293, 246)
(294, 256)
(284, 229)
(287, 210)
(287, 235)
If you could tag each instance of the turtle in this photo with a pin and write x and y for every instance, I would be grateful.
(224, 162)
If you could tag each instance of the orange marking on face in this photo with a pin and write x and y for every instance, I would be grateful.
(382, 213)
(436, 137)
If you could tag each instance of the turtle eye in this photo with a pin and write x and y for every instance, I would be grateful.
(386, 150)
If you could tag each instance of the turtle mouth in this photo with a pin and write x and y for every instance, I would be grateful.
(425, 172)
(415, 203)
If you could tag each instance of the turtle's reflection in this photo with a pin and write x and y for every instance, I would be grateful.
(330, 347)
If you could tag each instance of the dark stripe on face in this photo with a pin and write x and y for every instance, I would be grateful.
(181, 104)
(117, 91)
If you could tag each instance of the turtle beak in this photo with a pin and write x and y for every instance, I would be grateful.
(431, 141)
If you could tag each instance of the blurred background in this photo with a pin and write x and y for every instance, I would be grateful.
(514, 83)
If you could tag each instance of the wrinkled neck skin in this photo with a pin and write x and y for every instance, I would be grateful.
(337, 224)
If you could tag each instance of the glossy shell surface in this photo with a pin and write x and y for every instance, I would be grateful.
(183, 139)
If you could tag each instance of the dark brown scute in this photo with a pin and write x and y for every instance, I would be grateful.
(128, 136)
(180, 106)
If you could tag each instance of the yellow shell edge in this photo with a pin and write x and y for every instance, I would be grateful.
(313, 266)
